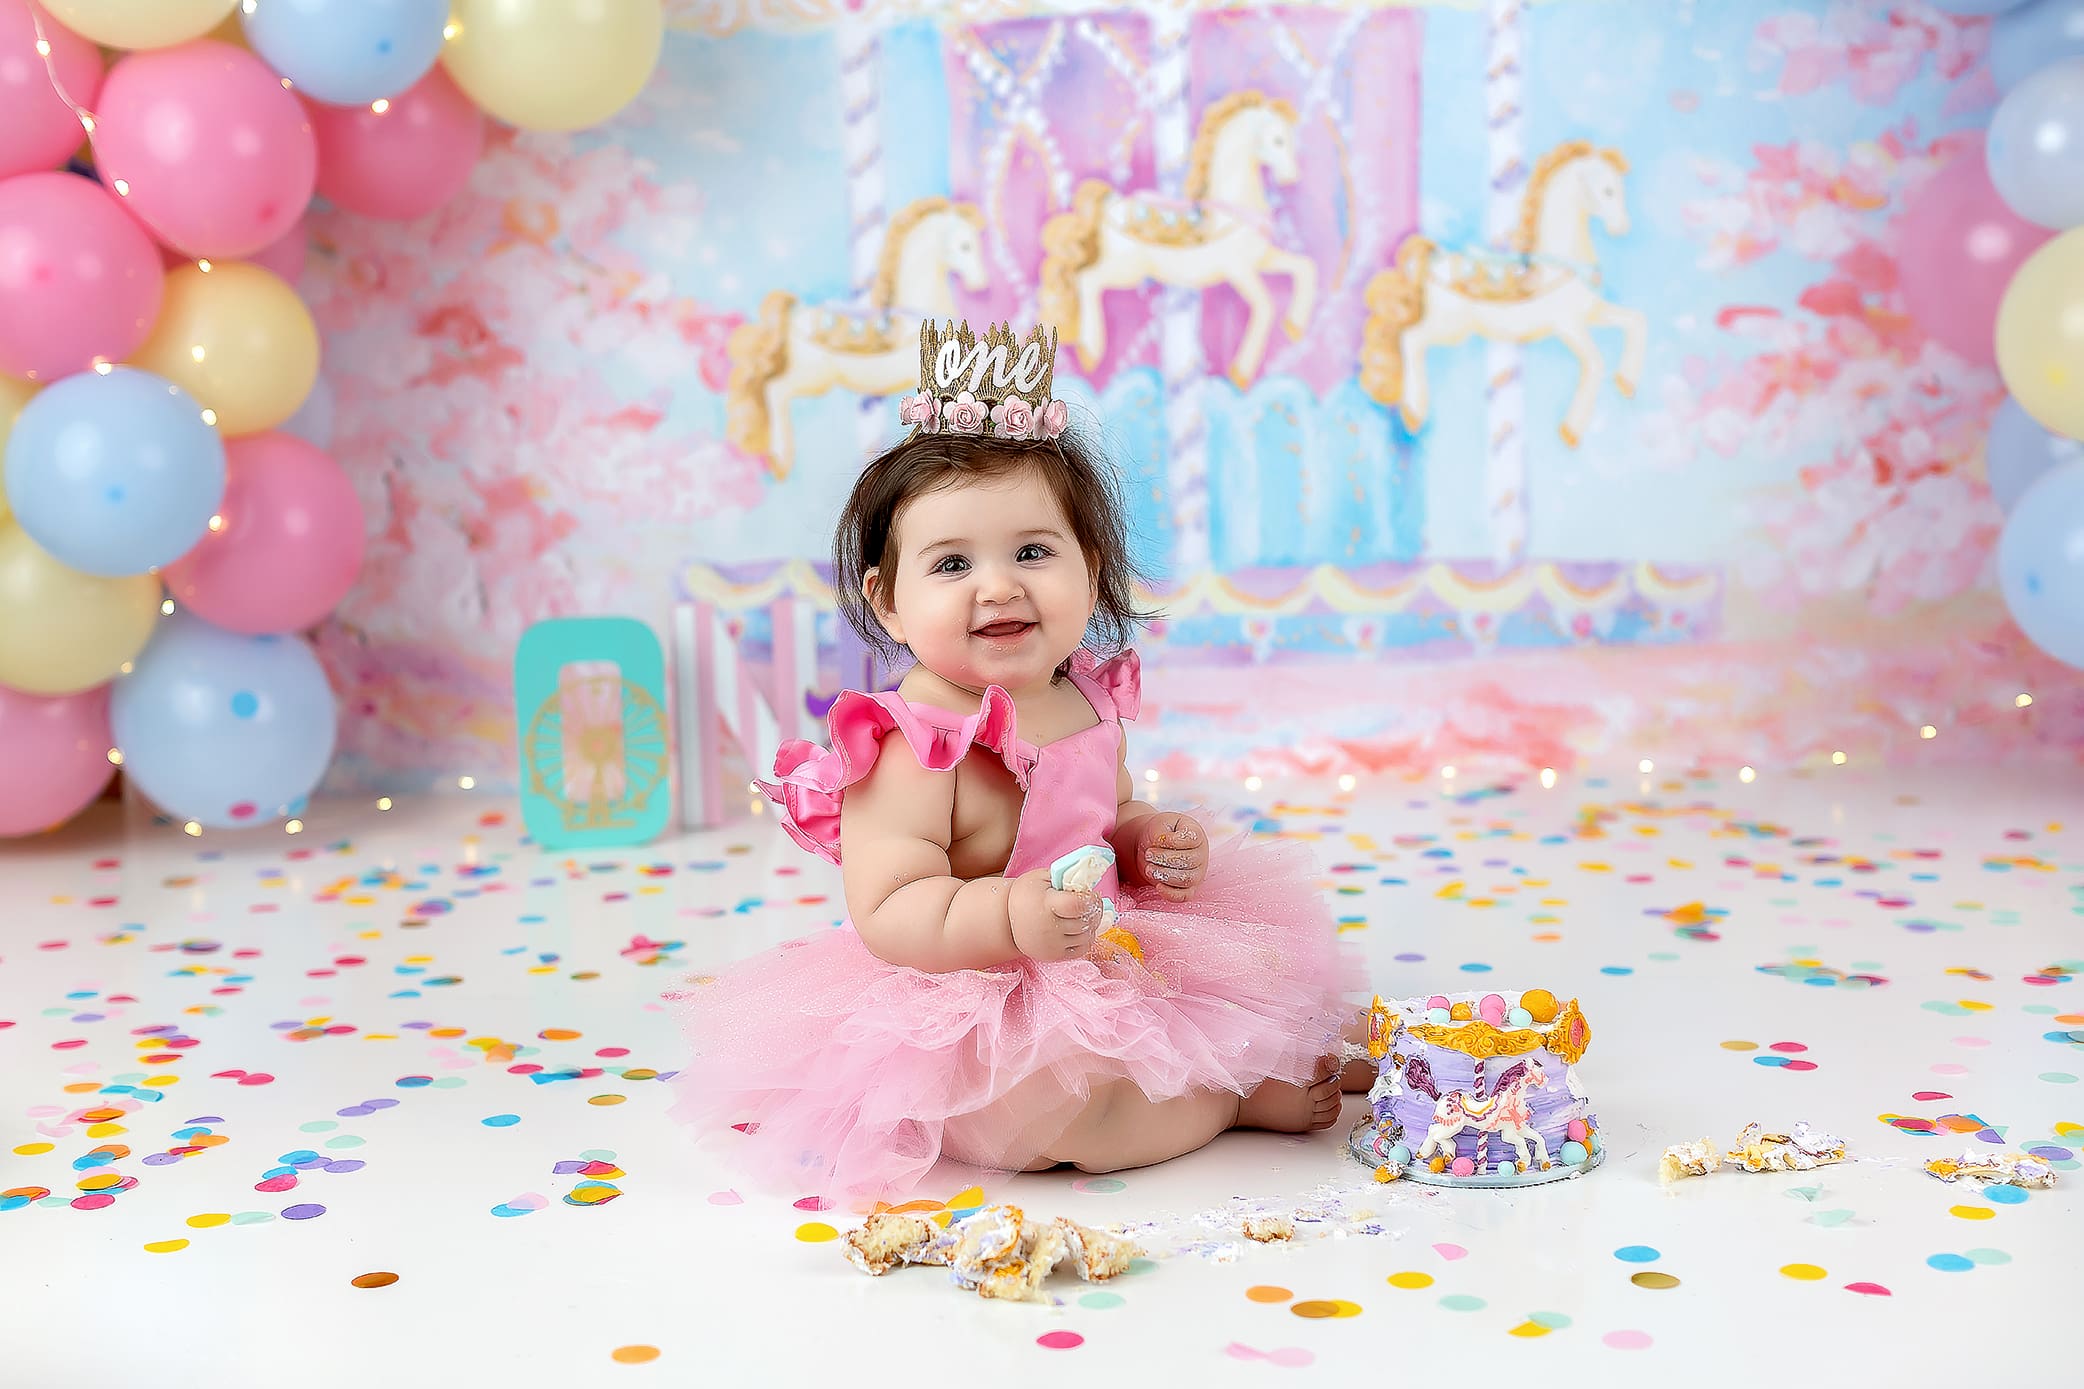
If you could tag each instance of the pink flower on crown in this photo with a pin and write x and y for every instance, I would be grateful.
(964, 414)
(1014, 418)
(1054, 417)
(921, 409)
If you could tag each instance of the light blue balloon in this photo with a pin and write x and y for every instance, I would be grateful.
(2036, 146)
(313, 422)
(114, 474)
(2040, 563)
(2027, 40)
(226, 730)
(2019, 451)
(348, 52)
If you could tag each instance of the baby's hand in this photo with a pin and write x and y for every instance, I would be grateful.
(1173, 849)
(1049, 924)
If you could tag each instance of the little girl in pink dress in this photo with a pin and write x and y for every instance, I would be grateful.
(972, 1008)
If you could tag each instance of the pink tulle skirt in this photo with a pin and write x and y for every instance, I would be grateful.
(820, 1069)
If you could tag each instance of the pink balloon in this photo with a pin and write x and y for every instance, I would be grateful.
(56, 751)
(78, 280)
(217, 155)
(285, 256)
(1960, 247)
(37, 129)
(406, 162)
(291, 544)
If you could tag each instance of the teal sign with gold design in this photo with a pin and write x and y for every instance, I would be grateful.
(590, 714)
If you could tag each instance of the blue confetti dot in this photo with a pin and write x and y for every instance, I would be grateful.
(245, 705)
(1476, 968)
(502, 1121)
(1950, 1263)
(2004, 1195)
(1616, 969)
(1636, 1254)
(1769, 1061)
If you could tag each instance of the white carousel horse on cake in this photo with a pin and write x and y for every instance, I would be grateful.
(1506, 1113)
(1222, 233)
(794, 350)
(1546, 284)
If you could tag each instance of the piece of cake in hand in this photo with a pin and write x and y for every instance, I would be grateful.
(1478, 1090)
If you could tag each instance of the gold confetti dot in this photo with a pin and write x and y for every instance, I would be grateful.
(1740, 1046)
(166, 1246)
(633, 1355)
(32, 1149)
(1649, 1279)
(373, 1280)
(209, 1221)
(1267, 1292)
(1530, 1329)
(1807, 1273)
(558, 1034)
(1972, 1212)
(1411, 1280)
(1316, 1311)
(816, 1232)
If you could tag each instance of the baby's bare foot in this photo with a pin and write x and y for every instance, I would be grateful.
(1288, 1108)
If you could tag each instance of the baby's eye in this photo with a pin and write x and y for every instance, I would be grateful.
(942, 566)
(1028, 552)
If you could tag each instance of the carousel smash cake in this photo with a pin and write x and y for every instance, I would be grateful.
(1478, 1090)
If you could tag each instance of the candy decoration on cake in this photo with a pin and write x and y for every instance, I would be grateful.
(1456, 1071)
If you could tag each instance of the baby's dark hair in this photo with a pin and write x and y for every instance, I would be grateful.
(1085, 486)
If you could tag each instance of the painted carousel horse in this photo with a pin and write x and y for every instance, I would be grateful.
(1221, 234)
(1506, 1113)
(795, 350)
(1546, 284)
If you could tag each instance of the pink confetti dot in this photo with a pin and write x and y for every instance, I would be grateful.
(813, 1203)
(92, 1201)
(1971, 1041)
(1060, 1340)
(1450, 1252)
(1931, 1095)
(725, 1198)
(1868, 1289)
(1950, 1068)
(1789, 1046)
(1627, 1340)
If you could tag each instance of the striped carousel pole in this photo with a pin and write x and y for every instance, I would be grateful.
(861, 144)
(1505, 404)
(1180, 360)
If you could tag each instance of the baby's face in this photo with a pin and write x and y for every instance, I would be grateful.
(989, 586)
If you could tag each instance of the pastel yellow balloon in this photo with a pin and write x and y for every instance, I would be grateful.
(14, 394)
(238, 339)
(61, 630)
(553, 64)
(2040, 334)
(140, 23)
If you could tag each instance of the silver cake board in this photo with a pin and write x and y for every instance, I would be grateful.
(1369, 1145)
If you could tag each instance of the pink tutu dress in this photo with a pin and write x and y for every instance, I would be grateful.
(821, 1069)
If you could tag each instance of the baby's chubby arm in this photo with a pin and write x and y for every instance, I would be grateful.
(910, 909)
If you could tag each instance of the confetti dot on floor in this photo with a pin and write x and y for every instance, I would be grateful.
(1411, 1280)
(1651, 1279)
(1554, 1321)
(1950, 1263)
(1316, 1309)
(816, 1232)
(2058, 1077)
(502, 1121)
(1529, 1328)
(1989, 1257)
(1868, 1289)
(1971, 1212)
(1287, 1357)
(1740, 1046)
(1101, 1302)
(1627, 1340)
(1450, 1252)
(1789, 1047)
(1636, 1254)
(1267, 1292)
(208, 1221)
(812, 1203)
(1060, 1340)
(308, 1211)
(1099, 1186)
(373, 1280)
(633, 1355)
(166, 1246)
(1807, 1273)
(725, 1198)
(2005, 1195)
(1462, 1302)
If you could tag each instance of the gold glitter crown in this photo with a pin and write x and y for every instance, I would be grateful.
(997, 384)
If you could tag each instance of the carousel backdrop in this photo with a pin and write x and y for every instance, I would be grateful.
(1496, 381)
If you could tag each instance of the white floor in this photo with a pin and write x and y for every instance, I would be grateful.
(408, 961)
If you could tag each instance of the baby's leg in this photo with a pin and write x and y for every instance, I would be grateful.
(1123, 1127)
(1359, 1075)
